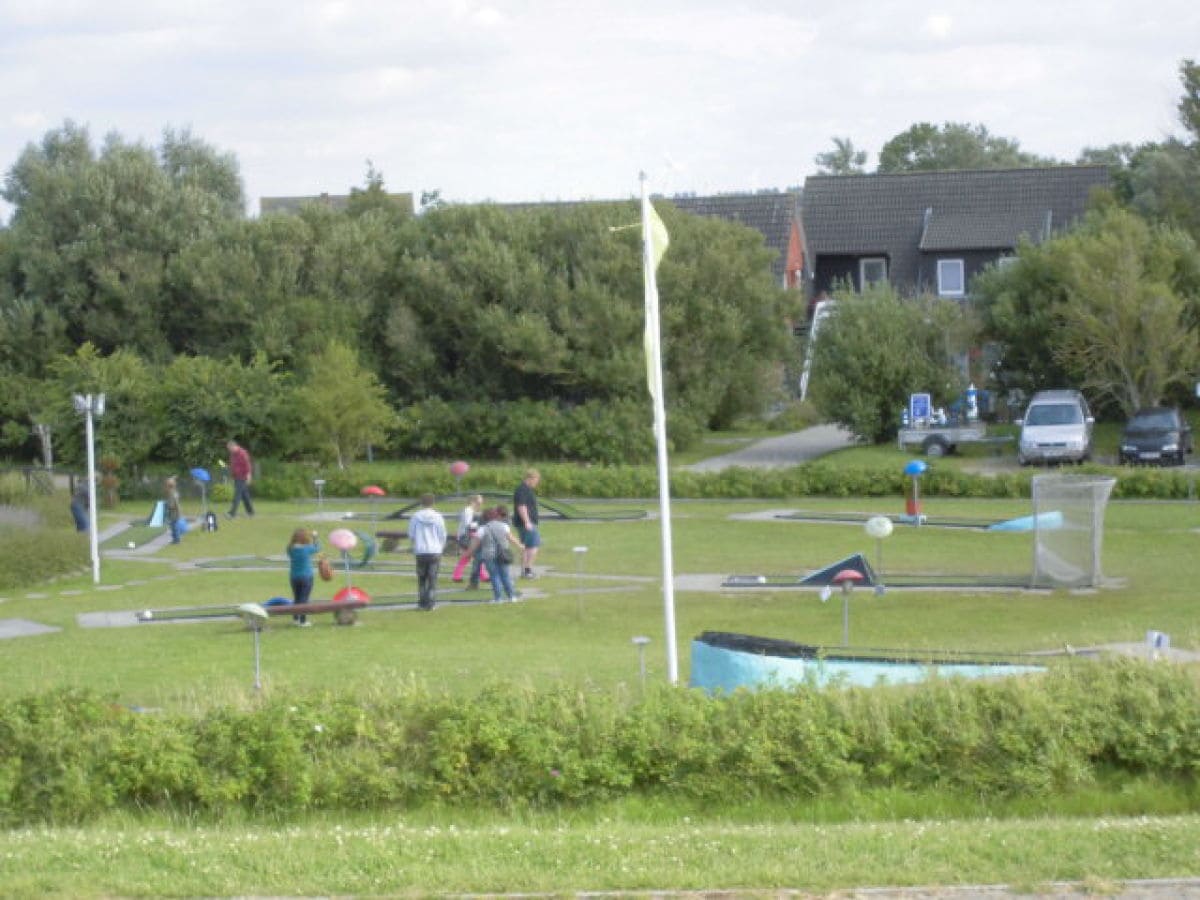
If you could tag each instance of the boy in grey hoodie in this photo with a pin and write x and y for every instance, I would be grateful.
(427, 533)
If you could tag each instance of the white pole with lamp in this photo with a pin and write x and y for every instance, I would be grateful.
(89, 406)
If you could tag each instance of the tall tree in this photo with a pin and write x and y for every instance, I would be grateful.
(875, 350)
(1128, 332)
(94, 233)
(843, 159)
(344, 407)
(955, 145)
(1112, 307)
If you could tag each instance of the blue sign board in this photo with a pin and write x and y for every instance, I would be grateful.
(920, 409)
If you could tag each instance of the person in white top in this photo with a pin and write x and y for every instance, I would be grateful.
(427, 532)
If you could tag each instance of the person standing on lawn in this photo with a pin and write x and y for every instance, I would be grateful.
(427, 534)
(525, 511)
(173, 515)
(491, 542)
(240, 469)
(300, 552)
(468, 522)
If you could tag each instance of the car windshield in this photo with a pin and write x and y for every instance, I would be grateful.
(1054, 414)
(1156, 420)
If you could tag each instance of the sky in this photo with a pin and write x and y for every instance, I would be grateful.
(524, 100)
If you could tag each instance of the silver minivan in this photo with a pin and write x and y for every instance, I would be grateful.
(1056, 427)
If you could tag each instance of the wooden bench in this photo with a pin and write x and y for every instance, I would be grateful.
(344, 613)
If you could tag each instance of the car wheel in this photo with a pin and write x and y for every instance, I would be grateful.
(935, 446)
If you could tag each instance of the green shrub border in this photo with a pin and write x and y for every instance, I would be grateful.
(70, 756)
(819, 479)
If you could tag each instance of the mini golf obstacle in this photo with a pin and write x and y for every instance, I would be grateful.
(1048, 519)
(548, 508)
(725, 661)
(282, 606)
(1067, 526)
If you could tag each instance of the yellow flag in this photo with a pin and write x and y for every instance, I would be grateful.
(655, 241)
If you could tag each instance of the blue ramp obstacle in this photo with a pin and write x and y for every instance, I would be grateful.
(1047, 520)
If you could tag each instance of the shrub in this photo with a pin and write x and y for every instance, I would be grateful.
(69, 756)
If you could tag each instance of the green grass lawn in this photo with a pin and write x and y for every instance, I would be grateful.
(580, 617)
(576, 626)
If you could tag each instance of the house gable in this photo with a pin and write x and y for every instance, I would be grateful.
(913, 220)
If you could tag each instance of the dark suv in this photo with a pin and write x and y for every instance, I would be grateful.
(1158, 435)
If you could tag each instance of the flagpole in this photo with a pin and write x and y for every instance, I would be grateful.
(654, 373)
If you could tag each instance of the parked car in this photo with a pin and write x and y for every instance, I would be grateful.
(1158, 435)
(1056, 427)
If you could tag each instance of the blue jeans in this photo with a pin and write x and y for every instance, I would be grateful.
(500, 578)
(241, 491)
(301, 591)
(176, 531)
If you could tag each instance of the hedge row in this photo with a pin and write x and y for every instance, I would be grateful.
(70, 756)
(822, 479)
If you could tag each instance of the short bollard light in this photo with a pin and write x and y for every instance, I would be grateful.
(640, 642)
(579, 554)
(879, 527)
(319, 484)
(255, 618)
(847, 578)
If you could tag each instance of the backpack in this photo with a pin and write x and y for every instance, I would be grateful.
(492, 539)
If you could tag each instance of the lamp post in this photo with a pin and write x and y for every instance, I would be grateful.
(89, 406)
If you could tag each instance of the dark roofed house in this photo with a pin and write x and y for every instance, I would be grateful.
(932, 232)
(336, 202)
(776, 214)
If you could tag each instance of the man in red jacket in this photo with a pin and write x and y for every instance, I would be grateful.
(240, 468)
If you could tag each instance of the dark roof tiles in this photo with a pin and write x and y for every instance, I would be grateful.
(901, 215)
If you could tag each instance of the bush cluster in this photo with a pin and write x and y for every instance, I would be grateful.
(818, 479)
(69, 756)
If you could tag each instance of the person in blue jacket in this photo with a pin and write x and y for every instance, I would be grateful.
(300, 551)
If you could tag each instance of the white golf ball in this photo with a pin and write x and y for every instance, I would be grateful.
(762, 579)
(131, 545)
(146, 615)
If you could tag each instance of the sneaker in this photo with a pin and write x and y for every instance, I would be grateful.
(303, 624)
(528, 573)
(473, 586)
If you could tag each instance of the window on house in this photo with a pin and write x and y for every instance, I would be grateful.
(871, 270)
(950, 278)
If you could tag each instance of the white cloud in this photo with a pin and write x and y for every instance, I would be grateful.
(516, 99)
(938, 26)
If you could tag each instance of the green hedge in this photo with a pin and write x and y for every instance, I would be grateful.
(819, 479)
(70, 756)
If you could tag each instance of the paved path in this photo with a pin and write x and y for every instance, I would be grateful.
(781, 452)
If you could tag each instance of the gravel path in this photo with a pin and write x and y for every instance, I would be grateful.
(781, 452)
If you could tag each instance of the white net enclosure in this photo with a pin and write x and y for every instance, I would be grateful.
(1068, 531)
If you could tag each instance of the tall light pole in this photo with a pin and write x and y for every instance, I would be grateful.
(90, 405)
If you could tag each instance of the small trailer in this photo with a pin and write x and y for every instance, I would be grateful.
(938, 440)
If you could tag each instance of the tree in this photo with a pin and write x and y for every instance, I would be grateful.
(344, 407)
(1189, 103)
(1125, 330)
(875, 350)
(94, 233)
(955, 145)
(1112, 308)
(843, 159)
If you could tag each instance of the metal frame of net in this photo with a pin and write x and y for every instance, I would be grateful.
(1068, 554)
